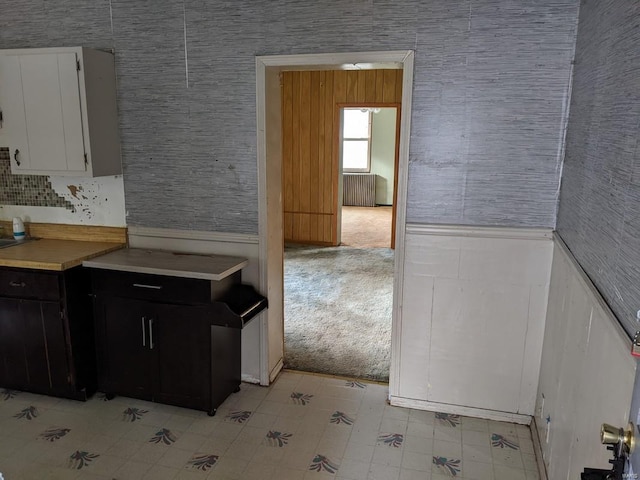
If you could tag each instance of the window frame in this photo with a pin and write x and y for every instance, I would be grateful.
(344, 139)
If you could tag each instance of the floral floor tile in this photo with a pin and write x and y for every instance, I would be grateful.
(447, 419)
(341, 418)
(53, 434)
(202, 461)
(28, 413)
(163, 436)
(502, 441)
(321, 463)
(132, 414)
(301, 398)
(238, 416)
(391, 439)
(277, 439)
(447, 466)
(80, 459)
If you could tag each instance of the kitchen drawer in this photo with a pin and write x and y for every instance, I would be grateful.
(29, 284)
(151, 287)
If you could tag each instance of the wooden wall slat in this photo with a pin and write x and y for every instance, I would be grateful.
(329, 107)
(398, 96)
(389, 86)
(295, 143)
(305, 141)
(379, 85)
(370, 82)
(287, 139)
(352, 85)
(361, 89)
(310, 118)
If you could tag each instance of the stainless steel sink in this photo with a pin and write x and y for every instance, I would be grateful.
(8, 242)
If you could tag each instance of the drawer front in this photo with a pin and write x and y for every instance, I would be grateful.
(151, 287)
(29, 284)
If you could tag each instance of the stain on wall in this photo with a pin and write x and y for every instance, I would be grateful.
(28, 190)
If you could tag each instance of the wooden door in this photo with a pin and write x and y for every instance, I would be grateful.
(310, 134)
(123, 344)
(181, 350)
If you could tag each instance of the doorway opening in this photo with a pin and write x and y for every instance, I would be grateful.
(272, 218)
(369, 146)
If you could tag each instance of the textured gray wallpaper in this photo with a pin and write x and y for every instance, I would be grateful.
(490, 85)
(599, 214)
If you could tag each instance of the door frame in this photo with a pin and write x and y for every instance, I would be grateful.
(337, 126)
(269, 158)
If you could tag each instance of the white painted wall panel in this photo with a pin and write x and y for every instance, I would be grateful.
(586, 374)
(483, 335)
(415, 335)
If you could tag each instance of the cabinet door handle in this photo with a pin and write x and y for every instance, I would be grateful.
(17, 284)
(15, 156)
(151, 333)
(142, 285)
(144, 333)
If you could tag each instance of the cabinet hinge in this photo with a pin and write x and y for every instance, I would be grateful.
(86, 160)
(78, 65)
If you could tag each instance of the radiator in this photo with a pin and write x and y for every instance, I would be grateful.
(359, 189)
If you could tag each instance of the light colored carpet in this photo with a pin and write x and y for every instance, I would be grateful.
(338, 310)
(366, 227)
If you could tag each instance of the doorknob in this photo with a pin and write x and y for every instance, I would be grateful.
(610, 435)
(619, 441)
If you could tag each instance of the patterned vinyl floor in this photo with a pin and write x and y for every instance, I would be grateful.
(302, 427)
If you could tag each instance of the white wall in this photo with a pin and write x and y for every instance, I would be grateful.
(586, 375)
(383, 151)
(97, 201)
(471, 329)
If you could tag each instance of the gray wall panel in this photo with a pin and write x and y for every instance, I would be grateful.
(489, 86)
(599, 206)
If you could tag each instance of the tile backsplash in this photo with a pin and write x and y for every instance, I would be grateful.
(28, 190)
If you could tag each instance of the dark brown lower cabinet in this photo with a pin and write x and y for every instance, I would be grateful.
(46, 332)
(174, 345)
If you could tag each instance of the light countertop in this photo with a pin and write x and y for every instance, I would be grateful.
(50, 254)
(158, 262)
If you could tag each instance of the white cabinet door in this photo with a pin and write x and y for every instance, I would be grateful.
(41, 109)
(13, 127)
(52, 111)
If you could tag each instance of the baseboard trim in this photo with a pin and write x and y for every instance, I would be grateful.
(460, 410)
(276, 370)
(250, 379)
(193, 235)
(537, 449)
(480, 232)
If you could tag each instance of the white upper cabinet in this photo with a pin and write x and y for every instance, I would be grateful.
(58, 112)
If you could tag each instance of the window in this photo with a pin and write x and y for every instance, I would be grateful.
(356, 140)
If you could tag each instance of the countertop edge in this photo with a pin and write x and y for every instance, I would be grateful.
(166, 272)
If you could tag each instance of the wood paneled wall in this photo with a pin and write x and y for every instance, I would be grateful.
(310, 132)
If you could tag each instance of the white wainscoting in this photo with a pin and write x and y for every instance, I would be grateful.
(587, 372)
(222, 244)
(472, 323)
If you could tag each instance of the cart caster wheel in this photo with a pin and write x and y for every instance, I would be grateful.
(237, 389)
(211, 413)
(109, 396)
